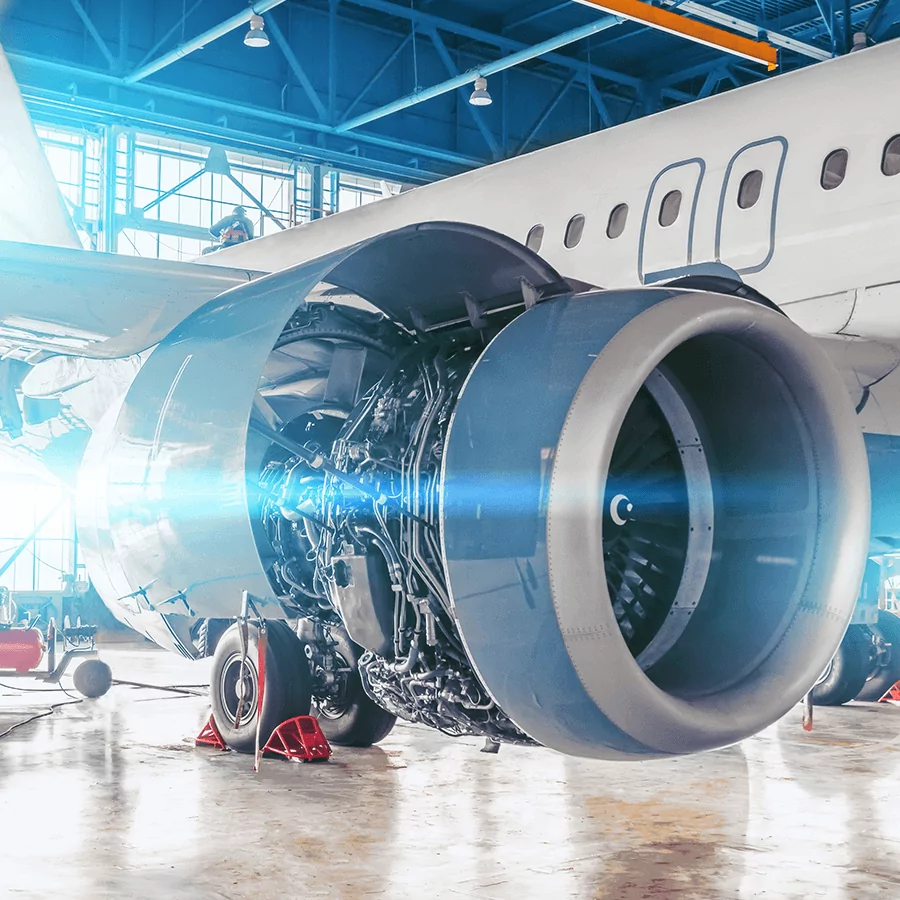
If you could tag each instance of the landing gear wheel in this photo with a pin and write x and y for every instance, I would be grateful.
(884, 678)
(354, 719)
(847, 671)
(234, 687)
(93, 678)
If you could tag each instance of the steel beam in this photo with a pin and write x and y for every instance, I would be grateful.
(814, 28)
(251, 112)
(883, 17)
(712, 81)
(57, 109)
(536, 12)
(179, 24)
(201, 40)
(545, 114)
(296, 68)
(475, 113)
(332, 60)
(606, 119)
(785, 42)
(484, 70)
(173, 190)
(501, 42)
(665, 20)
(381, 70)
(92, 31)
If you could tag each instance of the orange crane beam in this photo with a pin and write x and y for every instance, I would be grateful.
(700, 32)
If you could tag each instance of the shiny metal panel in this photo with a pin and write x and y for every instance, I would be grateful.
(495, 491)
(523, 506)
(167, 488)
(167, 492)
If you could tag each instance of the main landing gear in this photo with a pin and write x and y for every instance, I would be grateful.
(301, 676)
(865, 666)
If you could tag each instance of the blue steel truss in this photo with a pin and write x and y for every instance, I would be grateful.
(380, 87)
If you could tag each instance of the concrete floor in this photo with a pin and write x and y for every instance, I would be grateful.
(109, 799)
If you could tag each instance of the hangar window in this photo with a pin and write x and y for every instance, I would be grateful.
(535, 238)
(669, 208)
(890, 161)
(617, 219)
(574, 231)
(834, 169)
(750, 188)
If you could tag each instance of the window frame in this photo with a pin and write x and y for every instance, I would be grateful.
(759, 187)
(664, 203)
(577, 221)
(609, 221)
(889, 144)
(834, 154)
(538, 231)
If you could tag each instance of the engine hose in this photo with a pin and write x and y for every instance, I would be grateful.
(408, 664)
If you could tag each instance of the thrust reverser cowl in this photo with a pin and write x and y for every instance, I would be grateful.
(164, 508)
(560, 546)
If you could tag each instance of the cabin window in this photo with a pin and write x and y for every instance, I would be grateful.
(750, 188)
(574, 231)
(834, 169)
(617, 219)
(535, 238)
(669, 208)
(890, 161)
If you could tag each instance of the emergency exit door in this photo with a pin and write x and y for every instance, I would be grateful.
(748, 206)
(667, 230)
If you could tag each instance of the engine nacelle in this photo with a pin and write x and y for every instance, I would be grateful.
(655, 518)
(634, 525)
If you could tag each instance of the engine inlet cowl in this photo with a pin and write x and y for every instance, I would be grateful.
(655, 518)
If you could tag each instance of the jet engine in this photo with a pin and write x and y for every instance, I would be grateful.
(620, 524)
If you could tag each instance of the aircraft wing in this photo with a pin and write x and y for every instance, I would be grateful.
(32, 209)
(98, 305)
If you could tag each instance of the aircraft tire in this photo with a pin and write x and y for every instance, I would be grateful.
(209, 634)
(848, 670)
(881, 681)
(287, 692)
(357, 721)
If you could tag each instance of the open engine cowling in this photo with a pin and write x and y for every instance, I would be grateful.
(693, 455)
(653, 504)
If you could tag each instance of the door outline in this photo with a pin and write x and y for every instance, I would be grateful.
(779, 139)
(694, 160)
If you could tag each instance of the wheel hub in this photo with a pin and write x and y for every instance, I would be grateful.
(238, 686)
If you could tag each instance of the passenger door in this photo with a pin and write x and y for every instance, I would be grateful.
(667, 230)
(745, 233)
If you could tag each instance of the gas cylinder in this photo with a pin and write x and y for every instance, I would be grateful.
(21, 649)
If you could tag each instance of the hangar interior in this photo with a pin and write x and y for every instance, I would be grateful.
(157, 119)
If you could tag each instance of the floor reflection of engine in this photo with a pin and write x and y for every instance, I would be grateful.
(357, 543)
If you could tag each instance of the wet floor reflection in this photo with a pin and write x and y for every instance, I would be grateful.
(110, 800)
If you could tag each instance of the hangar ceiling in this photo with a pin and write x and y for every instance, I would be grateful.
(381, 87)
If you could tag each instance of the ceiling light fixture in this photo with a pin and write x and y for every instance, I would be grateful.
(256, 36)
(480, 96)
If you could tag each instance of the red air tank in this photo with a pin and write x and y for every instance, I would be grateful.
(21, 649)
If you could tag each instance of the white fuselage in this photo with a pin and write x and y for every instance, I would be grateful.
(829, 258)
(797, 244)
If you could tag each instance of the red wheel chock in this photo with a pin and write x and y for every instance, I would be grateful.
(210, 737)
(893, 693)
(299, 738)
